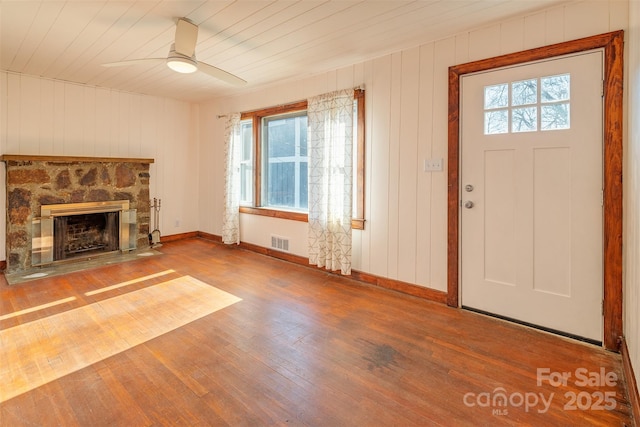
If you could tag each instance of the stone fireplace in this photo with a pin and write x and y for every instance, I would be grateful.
(62, 209)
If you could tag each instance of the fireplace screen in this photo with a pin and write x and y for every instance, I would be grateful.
(82, 230)
(78, 235)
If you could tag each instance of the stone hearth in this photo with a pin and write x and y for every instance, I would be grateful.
(34, 181)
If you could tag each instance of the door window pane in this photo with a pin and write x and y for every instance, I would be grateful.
(496, 96)
(555, 88)
(496, 122)
(524, 92)
(524, 119)
(555, 116)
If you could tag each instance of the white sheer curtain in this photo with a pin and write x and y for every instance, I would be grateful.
(330, 136)
(232, 152)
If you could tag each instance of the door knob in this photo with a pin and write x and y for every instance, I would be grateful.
(468, 204)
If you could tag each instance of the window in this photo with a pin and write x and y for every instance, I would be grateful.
(284, 161)
(274, 162)
(527, 105)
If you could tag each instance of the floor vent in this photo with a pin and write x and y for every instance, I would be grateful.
(280, 243)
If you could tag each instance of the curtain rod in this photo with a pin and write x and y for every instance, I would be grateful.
(220, 116)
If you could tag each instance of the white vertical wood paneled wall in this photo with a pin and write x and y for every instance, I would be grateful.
(406, 106)
(631, 266)
(47, 117)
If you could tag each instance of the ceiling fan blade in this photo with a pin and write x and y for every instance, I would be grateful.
(221, 74)
(134, 62)
(186, 37)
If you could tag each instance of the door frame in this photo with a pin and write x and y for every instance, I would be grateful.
(612, 43)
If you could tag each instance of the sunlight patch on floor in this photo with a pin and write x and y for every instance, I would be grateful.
(129, 282)
(37, 308)
(44, 350)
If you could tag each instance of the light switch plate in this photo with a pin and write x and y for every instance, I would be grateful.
(433, 165)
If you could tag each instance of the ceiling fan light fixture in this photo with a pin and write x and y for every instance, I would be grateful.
(182, 65)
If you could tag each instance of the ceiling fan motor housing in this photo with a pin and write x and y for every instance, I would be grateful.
(181, 63)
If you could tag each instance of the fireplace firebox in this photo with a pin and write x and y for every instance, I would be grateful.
(82, 230)
(85, 234)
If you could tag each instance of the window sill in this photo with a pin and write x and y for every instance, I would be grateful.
(356, 224)
(275, 213)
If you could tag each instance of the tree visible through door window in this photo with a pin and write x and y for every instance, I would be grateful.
(528, 105)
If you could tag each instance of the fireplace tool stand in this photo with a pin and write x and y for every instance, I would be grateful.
(154, 236)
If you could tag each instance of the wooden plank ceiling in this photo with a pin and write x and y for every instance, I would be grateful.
(260, 41)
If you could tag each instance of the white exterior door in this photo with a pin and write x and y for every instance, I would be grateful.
(531, 193)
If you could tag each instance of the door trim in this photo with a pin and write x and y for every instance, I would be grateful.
(612, 43)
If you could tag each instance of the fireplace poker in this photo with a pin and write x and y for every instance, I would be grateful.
(154, 236)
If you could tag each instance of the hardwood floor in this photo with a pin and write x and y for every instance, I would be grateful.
(299, 347)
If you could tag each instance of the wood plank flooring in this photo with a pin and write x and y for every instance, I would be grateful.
(300, 347)
(74, 339)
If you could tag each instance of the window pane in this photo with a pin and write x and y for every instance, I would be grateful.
(304, 181)
(524, 119)
(555, 88)
(496, 96)
(281, 183)
(246, 164)
(524, 92)
(301, 142)
(247, 140)
(246, 183)
(555, 116)
(495, 122)
(284, 164)
(280, 136)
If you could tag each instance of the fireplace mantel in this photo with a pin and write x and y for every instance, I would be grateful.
(67, 159)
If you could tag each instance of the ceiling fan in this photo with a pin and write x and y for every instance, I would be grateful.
(182, 56)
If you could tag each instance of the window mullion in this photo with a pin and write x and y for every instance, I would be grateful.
(539, 104)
